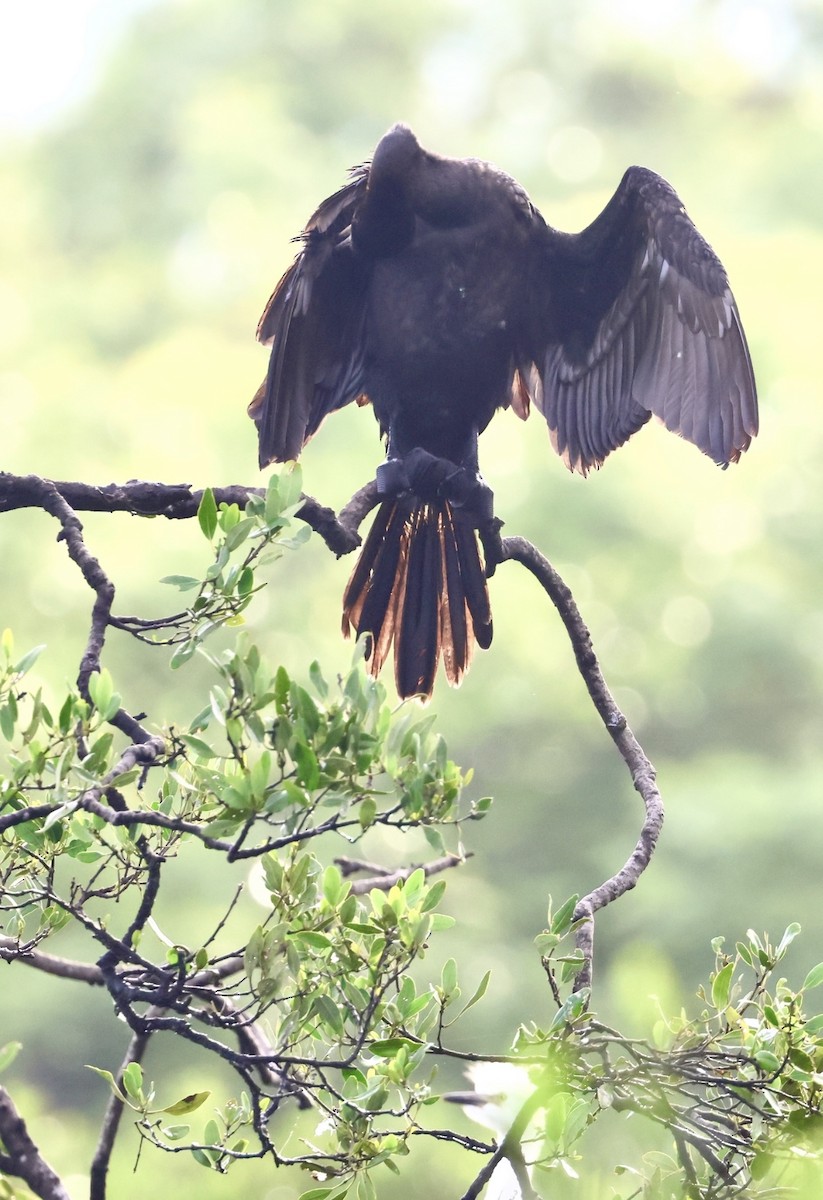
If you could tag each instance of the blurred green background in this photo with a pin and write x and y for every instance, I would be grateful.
(156, 159)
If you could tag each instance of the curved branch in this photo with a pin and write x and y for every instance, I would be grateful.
(47, 495)
(640, 768)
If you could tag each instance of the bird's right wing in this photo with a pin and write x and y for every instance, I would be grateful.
(638, 318)
(314, 323)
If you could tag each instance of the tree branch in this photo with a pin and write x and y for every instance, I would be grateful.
(176, 502)
(383, 880)
(640, 768)
(64, 968)
(111, 1120)
(22, 1158)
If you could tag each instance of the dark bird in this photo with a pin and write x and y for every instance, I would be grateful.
(433, 288)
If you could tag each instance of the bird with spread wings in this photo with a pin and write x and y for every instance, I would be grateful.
(433, 288)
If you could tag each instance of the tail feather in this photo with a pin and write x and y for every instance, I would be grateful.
(420, 586)
(474, 581)
(417, 638)
(456, 639)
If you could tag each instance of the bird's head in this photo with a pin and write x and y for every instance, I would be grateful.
(396, 153)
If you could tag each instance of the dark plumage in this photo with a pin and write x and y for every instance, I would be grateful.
(434, 288)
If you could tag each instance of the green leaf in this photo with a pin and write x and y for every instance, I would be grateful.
(207, 514)
(28, 660)
(367, 812)
(236, 536)
(788, 937)
(814, 978)
(182, 653)
(109, 1078)
(245, 581)
(184, 583)
(201, 749)
(318, 941)
(434, 896)
(8, 1054)
(768, 1062)
(388, 1047)
(722, 986)
(175, 1133)
(571, 1008)
(8, 717)
(101, 688)
(546, 942)
(229, 516)
(441, 921)
(290, 485)
(565, 914)
(333, 887)
(329, 1013)
(448, 976)
(435, 839)
(133, 1080)
(365, 1188)
(478, 993)
(308, 770)
(187, 1105)
(318, 682)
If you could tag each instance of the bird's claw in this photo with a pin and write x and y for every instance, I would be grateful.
(433, 478)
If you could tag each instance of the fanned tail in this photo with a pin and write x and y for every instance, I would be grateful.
(419, 584)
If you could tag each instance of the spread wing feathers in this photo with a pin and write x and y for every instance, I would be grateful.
(419, 585)
(314, 322)
(642, 320)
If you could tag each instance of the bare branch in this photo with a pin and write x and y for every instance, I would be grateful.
(640, 768)
(176, 501)
(65, 968)
(111, 1120)
(510, 1148)
(22, 1158)
(383, 880)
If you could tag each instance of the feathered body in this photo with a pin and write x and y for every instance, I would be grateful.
(434, 288)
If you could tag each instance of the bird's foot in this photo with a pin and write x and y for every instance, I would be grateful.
(433, 478)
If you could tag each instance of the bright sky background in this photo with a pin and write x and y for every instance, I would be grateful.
(50, 52)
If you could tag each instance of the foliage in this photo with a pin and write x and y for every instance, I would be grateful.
(320, 1009)
(268, 772)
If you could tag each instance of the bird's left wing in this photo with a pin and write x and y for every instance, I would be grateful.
(314, 322)
(637, 317)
